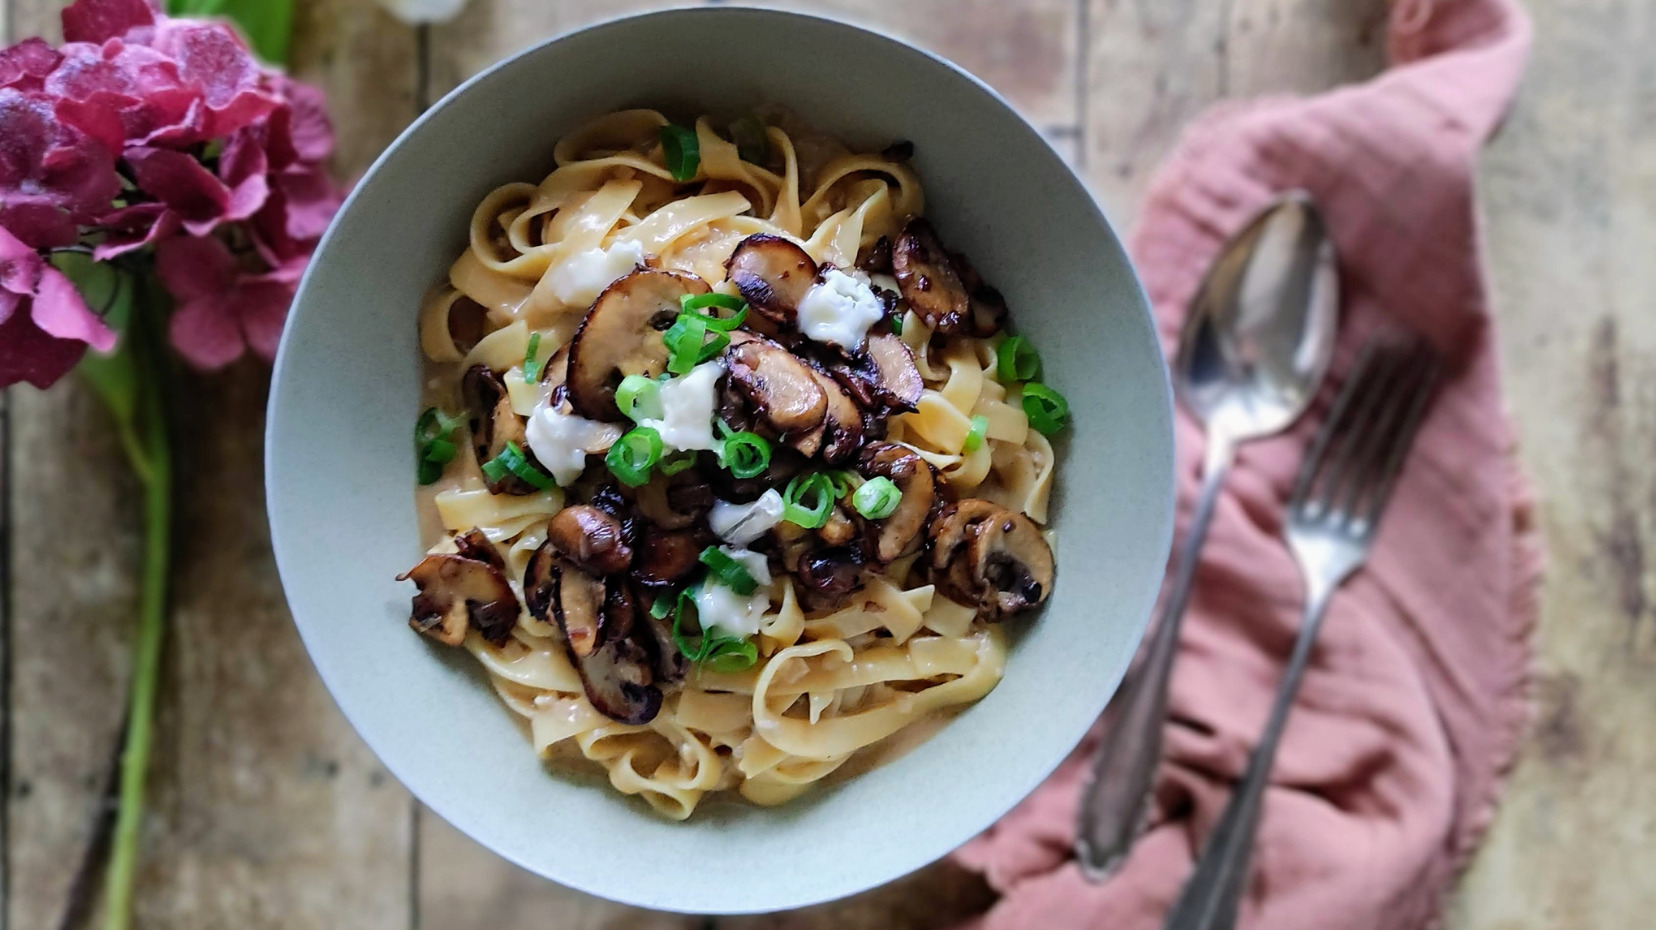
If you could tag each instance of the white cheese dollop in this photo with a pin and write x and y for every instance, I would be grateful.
(740, 524)
(687, 404)
(580, 278)
(735, 614)
(839, 309)
(561, 441)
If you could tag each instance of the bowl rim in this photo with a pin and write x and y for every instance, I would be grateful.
(1161, 534)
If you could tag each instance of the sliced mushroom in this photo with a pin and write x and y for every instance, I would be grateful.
(494, 425)
(666, 557)
(882, 378)
(876, 259)
(928, 278)
(674, 503)
(828, 576)
(900, 533)
(772, 275)
(599, 627)
(839, 530)
(841, 431)
(670, 663)
(781, 389)
(988, 306)
(621, 336)
(989, 557)
(459, 593)
(592, 539)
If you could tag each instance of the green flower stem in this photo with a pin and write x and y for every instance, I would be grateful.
(151, 459)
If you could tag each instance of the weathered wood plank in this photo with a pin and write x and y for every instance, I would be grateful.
(1029, 50)
(1570, 190)
(489, 30)
(266, 810)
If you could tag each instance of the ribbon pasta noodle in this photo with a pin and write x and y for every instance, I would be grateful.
(830, 666)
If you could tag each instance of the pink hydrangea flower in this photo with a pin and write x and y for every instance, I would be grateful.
(45, 325)
(163, 143)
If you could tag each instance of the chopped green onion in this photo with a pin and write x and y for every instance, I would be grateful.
(692, 303)
(1017, 360)
(673, 464)
(1047, 409)
(816, 487)
(685, 347)
(681, 151)
(727, 571)
(511, 460)
(531, 368)
(699, 651)
(752, 142)
(745, 455)
(732, 655)
(897, 324)
(639, 398)
(877, 498)
(434, 444)
(634, 455)
(663, 606)
(839, 482)
(975, 435)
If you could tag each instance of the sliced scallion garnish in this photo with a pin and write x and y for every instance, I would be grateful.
(511, 460)
(975, 435)
(639, 398)
(532, 368)
(727, 571)
(745, 455)
(877, 498)
(1047, 409)
(809, 500)
(634, 455)
(1017, 360)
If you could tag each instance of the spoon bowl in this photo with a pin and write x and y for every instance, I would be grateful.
(1260, 332)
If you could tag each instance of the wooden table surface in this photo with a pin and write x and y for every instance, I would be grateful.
(267, 811)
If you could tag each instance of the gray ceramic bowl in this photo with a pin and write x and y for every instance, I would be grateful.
(340, 465)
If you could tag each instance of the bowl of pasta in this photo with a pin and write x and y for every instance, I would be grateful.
(743, 453)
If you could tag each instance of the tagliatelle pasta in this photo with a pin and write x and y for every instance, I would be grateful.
(724, 481)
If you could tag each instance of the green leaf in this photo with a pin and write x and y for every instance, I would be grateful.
(267, 24)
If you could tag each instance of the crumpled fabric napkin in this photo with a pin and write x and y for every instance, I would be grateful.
(1408, 719)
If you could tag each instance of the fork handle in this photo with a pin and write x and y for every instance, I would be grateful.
(1116, 798)
(1213, 895)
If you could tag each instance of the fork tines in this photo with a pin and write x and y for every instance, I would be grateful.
(1353, 463)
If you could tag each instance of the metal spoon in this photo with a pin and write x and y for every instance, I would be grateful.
(1255, 346)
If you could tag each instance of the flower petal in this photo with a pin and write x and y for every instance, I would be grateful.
(28, 353)
(206, 332)
(182, 183)
(262, 304)
(132, 228)
(99, 20)
(193, 268)
(26, 64)
(60, 310)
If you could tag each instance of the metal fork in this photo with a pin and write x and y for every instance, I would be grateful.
(1338, 497)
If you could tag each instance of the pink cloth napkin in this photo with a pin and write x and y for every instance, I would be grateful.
(1408, 718)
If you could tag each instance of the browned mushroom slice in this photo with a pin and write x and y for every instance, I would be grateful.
(598, 622)
(772, 275)
(882, 378)
(781, 389)
(951, 531)
(474, 544)
(900, 533)
(666, 557)
(841, 431)
(621, 336)
(457, 593)
(493, 425)
(592, 539)
(1011, 564)
(876, 259)
(991, 558)
(928, 279)
(988, 306)
(828, 576)
(675, 502)
(670, 663)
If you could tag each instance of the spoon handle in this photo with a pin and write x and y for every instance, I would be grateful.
(1115, 799)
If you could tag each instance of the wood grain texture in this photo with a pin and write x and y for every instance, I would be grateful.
(1570, 192)
(489, 30)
